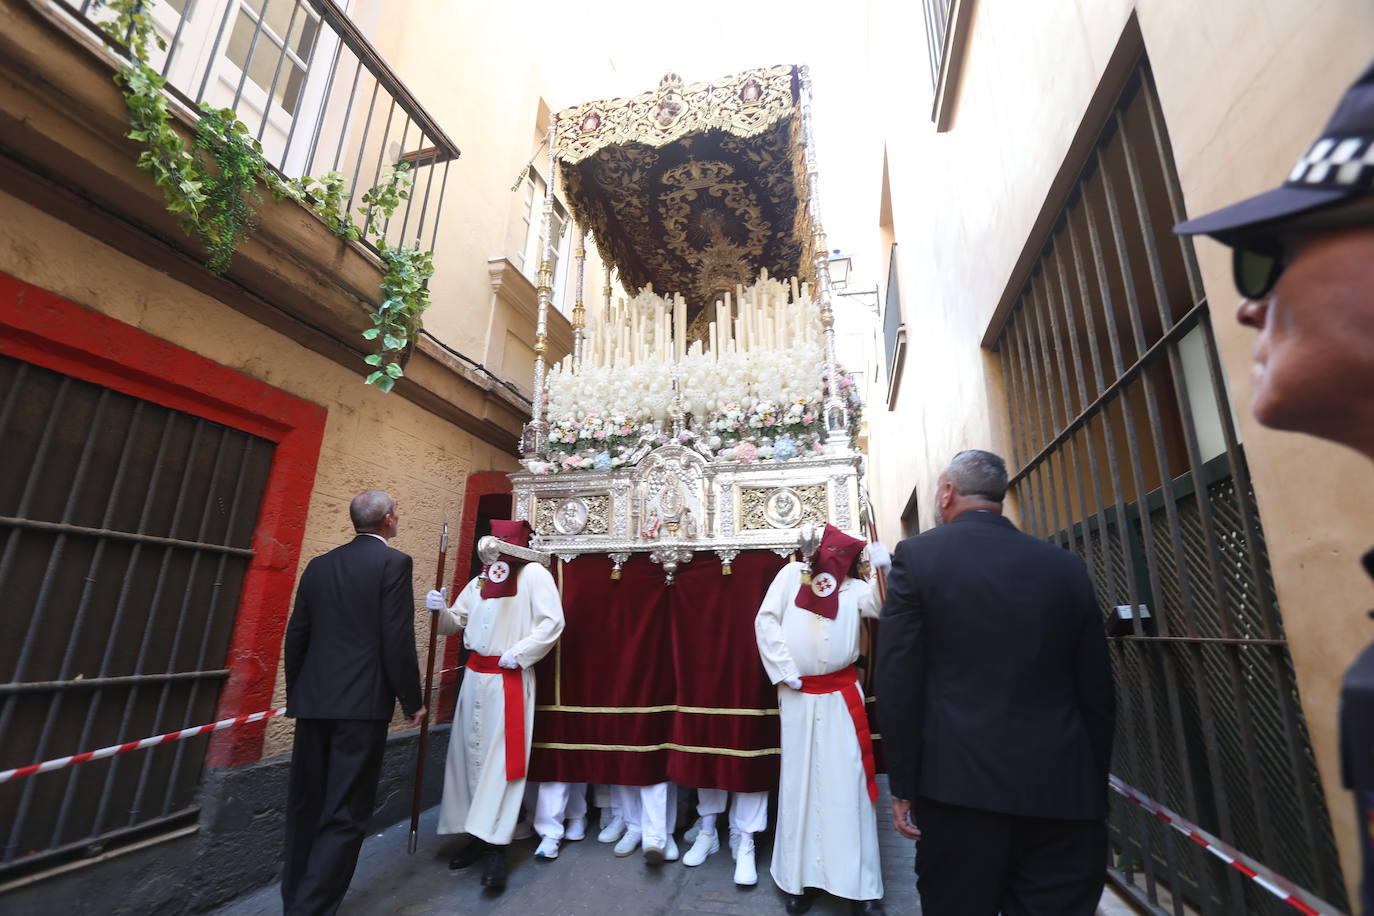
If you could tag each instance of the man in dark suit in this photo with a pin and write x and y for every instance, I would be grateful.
(995, 697)
(350, 655)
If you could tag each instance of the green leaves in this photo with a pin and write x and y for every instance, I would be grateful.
(213, 185)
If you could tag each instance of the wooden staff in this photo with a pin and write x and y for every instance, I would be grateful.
(429, 682)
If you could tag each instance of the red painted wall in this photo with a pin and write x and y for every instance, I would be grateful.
(44, 329)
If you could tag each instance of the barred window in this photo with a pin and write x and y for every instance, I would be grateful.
(1127, 454)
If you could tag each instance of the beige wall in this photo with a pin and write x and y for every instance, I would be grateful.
(370, 440)
(1245, 86)
(472, 65)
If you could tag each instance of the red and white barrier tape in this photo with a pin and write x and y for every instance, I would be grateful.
(73, 760)
(59, 763)
(1262, 875)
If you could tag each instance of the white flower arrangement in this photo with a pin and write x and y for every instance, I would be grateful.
(767, 400)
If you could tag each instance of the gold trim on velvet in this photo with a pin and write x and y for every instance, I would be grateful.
(667, 746)
(667, 707)
(745, 105)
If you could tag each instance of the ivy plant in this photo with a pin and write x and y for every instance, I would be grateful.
(405, 296)
(212, 186)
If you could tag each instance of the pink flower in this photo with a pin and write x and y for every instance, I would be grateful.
(807, 418)
(746, 452)
(599, 434)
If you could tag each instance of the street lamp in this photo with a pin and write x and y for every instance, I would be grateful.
(840, 265)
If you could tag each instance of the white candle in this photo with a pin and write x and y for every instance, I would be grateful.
(678, 328)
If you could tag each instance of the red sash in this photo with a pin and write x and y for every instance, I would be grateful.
(846, 681)
(513, 693)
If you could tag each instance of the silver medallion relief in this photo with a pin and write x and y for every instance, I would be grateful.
(570, 516)
(783, 508)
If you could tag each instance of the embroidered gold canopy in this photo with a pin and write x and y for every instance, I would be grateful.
(695, 188)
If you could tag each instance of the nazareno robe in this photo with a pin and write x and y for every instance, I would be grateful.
(478, 799)
(827, 831)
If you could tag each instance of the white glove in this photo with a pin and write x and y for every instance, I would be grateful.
(436, 600)
(878, 556)
(508, 661)
(793, 682)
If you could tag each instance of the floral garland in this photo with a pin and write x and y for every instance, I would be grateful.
(756, 431)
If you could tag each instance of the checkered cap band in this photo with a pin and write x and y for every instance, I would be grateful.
(1336, 162)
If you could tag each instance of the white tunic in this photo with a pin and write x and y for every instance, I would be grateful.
(477, 798)
(827, 835)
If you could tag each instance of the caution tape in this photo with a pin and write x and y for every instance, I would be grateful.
(61, 762)
(1265, 877)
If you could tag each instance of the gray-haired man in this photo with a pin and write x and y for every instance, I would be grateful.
(996, 704)
(350, 655)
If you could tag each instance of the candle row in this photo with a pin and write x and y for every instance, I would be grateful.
(770, 315)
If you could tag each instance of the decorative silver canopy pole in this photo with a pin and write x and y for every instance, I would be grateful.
(836, 413)
(579, 315)
(606, 296)
(537, 428)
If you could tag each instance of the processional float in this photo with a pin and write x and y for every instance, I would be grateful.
(672, 460)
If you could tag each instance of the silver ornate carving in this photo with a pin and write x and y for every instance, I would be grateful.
(670, 558)
(783, 508)
(567, 557)
(628, 489)
(842, 519)
(570, 516)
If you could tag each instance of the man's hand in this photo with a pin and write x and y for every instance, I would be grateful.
(437, 599)
(508, 661)
(903, 818)
(793, 682)
(418, 719)
(878, 556)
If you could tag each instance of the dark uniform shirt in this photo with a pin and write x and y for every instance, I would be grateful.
(1357, 752)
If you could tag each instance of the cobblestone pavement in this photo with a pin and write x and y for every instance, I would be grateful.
(586, 878)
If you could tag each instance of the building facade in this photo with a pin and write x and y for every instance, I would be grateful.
(1037, 304)
(179, 443)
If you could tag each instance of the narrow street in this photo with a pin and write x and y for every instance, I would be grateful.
(586, 878)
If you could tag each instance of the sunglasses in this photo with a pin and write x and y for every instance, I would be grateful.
(1258, 262)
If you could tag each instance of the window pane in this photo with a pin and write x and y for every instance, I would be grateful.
(266, 53)
(289, 87)
(277, 16)
(303, 35)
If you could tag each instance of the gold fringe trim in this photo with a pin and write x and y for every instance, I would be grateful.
(669, 707)
(667, 746)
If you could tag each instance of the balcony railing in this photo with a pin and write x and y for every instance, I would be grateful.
(309, 87)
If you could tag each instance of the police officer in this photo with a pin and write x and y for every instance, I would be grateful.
(1303, 259)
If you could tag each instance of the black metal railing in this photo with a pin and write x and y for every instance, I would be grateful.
(125, 532)
(310, 88)
(1128, 455)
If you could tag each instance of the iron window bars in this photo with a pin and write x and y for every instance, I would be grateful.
(1128, 455)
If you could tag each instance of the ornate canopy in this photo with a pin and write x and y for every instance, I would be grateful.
(692, 189)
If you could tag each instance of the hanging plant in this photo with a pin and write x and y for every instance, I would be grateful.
(212, 187)
(405, 296)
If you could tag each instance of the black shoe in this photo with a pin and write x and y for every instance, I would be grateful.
(469, 854)
(797, 904)
(867, 908)
(494, 874)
